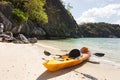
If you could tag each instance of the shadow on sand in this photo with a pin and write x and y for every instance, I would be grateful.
(47, 74)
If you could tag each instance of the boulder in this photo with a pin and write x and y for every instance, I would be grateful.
(22, 38)
(32, 40)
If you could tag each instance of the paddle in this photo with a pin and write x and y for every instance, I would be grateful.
(48, 54)
(96, 54)
(99, 54)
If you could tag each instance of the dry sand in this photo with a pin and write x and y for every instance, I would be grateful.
(24, 62)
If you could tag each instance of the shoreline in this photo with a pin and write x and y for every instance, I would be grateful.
(24, 62)
(103, 60)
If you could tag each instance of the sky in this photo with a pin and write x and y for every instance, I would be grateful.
(95, 10)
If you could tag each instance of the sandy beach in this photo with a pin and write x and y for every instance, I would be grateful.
(24, 62)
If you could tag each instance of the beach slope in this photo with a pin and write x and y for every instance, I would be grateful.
(24, 62)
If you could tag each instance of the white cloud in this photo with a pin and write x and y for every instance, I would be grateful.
(101, 1)
(91, 0)
(104, 12)
(84, 20)
(117, 22)
(118, 13)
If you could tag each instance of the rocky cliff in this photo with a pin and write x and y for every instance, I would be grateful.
(60, 23)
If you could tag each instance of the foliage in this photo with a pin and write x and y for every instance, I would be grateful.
(20, 16)
(99, 30)
(33, 8)
(36, 11)
(69, 13)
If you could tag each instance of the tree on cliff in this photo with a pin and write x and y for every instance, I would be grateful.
(30, 9)
(36, 11)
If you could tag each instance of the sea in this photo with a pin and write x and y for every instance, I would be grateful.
(109, 46)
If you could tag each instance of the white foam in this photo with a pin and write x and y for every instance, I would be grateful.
(106, 61)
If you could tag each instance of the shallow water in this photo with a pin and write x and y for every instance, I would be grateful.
(109, 46)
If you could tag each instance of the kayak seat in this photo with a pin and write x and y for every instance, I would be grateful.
(74, 53)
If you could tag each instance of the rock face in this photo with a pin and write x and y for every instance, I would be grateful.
(60, 23)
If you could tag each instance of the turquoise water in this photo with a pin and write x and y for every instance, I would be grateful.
(109, 46)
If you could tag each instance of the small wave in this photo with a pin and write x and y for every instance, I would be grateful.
(107, 61)
(112, 62)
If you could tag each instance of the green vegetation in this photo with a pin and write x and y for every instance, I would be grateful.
(36, 11)
(99, 30)
(29, 9)
(19, 15)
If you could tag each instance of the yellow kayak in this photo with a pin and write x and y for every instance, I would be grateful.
(54, 64)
